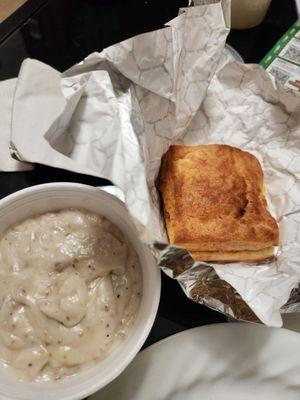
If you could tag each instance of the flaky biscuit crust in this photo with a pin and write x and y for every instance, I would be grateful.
(213, 199)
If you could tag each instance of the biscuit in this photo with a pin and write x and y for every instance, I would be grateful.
(213, 201)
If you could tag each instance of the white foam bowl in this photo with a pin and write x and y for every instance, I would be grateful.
(54, 196)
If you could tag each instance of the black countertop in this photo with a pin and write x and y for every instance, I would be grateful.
(63, 32)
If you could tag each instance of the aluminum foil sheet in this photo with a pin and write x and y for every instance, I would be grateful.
(201, 284)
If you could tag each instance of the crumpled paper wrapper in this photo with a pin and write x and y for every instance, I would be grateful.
(116, 113)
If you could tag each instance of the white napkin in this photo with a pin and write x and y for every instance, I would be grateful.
(7, 163)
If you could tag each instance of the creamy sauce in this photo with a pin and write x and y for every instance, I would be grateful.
(70, 286)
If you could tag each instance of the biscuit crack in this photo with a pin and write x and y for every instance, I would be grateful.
(242, 210)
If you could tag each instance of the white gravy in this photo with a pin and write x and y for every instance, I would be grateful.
(70, 286)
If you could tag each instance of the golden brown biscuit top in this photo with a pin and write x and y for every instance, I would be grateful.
(213, 199)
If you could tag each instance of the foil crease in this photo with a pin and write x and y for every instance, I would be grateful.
(200, 283)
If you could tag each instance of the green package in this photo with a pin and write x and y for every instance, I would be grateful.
(283, 61)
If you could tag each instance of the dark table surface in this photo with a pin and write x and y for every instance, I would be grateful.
(63, 32)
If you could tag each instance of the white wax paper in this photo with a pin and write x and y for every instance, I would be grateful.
(117, 112)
